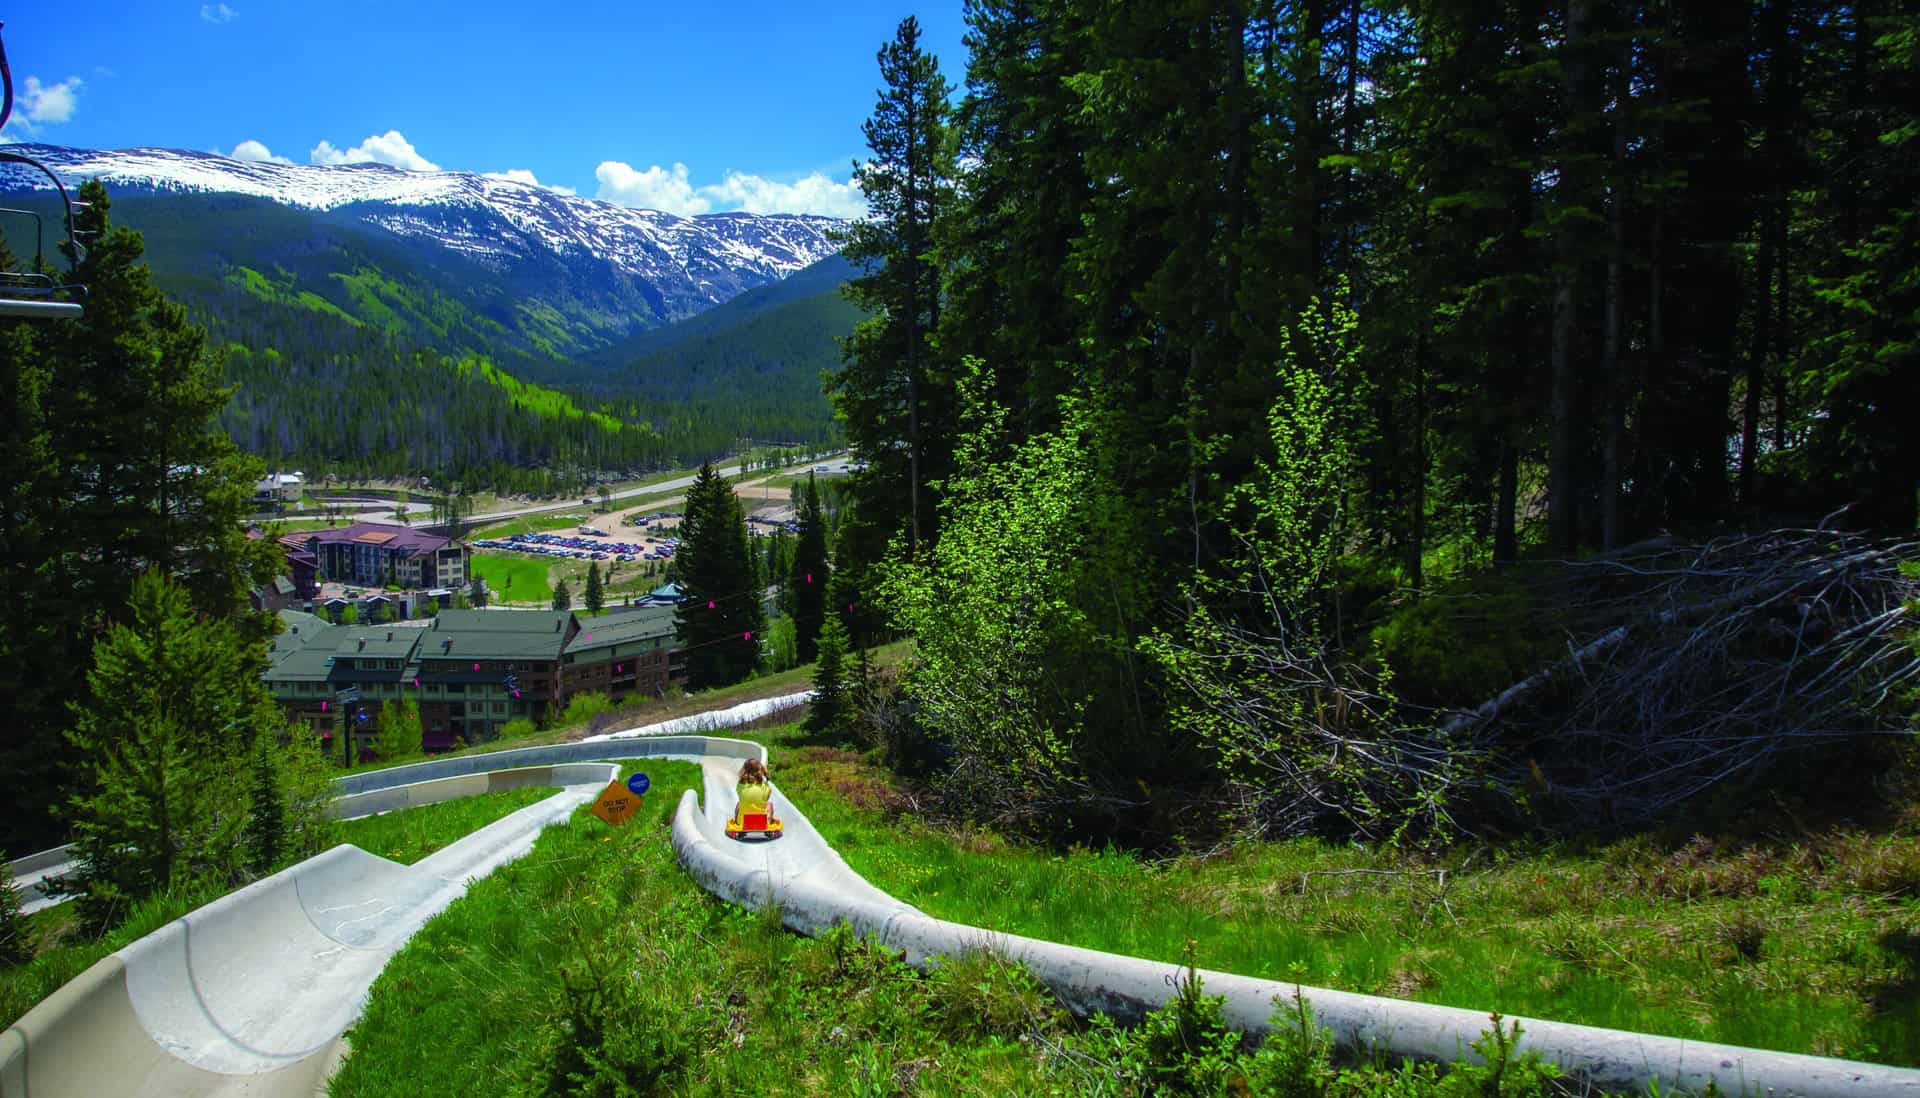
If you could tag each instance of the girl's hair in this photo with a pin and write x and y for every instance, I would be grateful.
(755, 771)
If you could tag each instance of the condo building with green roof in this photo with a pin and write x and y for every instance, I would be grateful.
(470, 671)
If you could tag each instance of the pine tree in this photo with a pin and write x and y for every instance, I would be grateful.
(809, 575)
(399, 734)
(828, 708)
(889, 393)
(162, 742)
(266, 830)
(16, 937)
(114, 464)
(1010, 234)
(562, 597)
(720, 621)
(596, 594)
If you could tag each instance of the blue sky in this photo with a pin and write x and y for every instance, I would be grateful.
(688, 107)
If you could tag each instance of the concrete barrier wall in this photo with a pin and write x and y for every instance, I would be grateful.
(1127, 987)
(45, 859)
(678, 747)
(435, 790)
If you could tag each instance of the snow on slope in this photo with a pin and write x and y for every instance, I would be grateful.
(486, 218)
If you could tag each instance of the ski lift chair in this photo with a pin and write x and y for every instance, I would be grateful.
(34, 294)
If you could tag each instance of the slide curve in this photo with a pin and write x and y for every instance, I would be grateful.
(249, 994)
(814, 890)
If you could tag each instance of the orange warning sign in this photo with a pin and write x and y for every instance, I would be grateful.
(616, 804)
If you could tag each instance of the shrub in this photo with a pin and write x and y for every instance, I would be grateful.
(980, 994)
(584, 707)
(1296, 1059)
(608, 1038)
(1745, 933)
(1185, 1047)
(16, 942)
(1021, 615)
(1501, 1073)
(517, 728)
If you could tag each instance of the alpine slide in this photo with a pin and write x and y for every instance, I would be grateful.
(250, 994)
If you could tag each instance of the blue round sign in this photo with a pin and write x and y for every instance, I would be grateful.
(638, 783)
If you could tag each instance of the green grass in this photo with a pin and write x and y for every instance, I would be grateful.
(411, 834)
(595, 966)
(517, 579)
(1809, 948)
(62, 954)
(535, 524)
(595, 954)
(276, 527)
(649, 480)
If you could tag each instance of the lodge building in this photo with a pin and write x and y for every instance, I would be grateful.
(623, 654)
(373, 554)
(456, 668)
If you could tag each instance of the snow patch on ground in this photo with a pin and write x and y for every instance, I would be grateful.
(744, 713)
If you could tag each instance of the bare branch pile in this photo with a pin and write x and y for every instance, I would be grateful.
(1738, 655)
(1697, 668)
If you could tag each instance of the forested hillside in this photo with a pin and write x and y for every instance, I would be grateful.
(1216, 349)
(318, 392)
(356, 351)
(824, 277)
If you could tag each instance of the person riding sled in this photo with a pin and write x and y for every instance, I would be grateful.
(754, 811)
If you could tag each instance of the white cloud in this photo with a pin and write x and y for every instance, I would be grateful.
(814, 194)
(522, 175)
(257, 153)
(50, 102)
(217, 13)
(656, 188)
(388, 148)
(672, 190)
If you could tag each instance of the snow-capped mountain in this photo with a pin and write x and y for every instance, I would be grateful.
(654, 267)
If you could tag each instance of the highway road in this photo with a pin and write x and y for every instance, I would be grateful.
(384, 511)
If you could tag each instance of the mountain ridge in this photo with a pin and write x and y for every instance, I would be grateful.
(393, 322)
(504, 225)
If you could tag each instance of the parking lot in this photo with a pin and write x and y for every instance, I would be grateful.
(583, 546)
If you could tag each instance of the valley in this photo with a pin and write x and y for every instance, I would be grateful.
(382, 323)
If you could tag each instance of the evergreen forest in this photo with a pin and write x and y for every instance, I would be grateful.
(1410, 417)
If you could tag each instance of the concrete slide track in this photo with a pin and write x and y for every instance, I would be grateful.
(814, 889)
(249, 994)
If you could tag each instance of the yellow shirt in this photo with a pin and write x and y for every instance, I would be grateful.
(754, 796)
